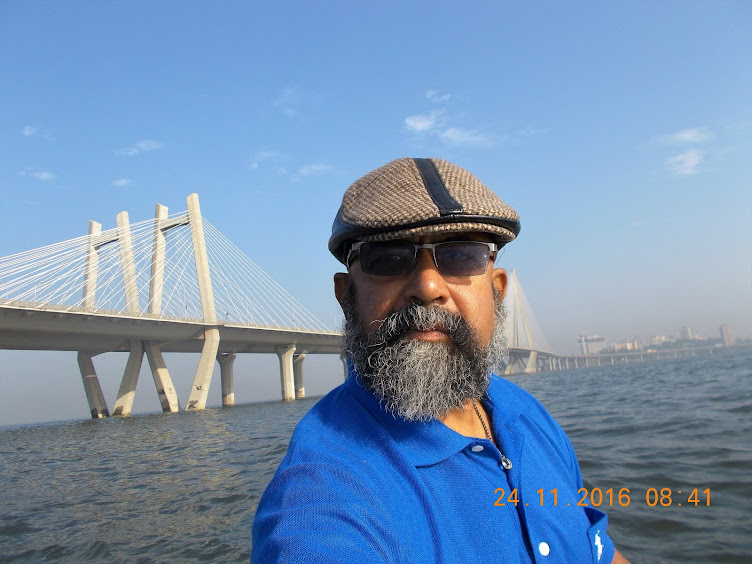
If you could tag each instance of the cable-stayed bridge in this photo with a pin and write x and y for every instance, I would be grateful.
(174, 283)
(147, 288)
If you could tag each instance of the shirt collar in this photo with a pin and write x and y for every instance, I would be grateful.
(425, 443)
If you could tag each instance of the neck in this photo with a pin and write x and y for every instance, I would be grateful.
(465, 420)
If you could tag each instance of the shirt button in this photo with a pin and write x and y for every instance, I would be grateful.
(477, 448)
(544, 549)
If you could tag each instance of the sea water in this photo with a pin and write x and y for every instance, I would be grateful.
(184, 487)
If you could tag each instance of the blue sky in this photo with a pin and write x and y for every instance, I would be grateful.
(621, 131)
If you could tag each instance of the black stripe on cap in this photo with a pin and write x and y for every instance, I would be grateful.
(436, 188)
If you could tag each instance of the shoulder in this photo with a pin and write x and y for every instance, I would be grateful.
(519, 409)
(328, 492)
(338, 428)
(321, 512)
(513, 402)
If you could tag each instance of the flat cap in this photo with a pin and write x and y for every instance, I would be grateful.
(409, 197)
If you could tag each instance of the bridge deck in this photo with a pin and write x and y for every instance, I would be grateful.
(67, 329)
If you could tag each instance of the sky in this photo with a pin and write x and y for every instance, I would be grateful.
(620, 131)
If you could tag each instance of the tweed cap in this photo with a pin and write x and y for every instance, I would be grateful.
(409, 197)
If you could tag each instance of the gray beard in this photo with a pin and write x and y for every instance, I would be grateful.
(418, 380)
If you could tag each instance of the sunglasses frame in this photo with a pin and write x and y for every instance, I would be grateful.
(355, 249)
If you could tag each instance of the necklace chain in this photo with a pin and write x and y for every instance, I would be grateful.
(477, 412)
(505, 462)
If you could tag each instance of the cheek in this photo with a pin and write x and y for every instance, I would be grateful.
(373, 306)
(483, 312)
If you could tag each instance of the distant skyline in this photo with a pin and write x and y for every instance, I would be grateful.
(620, 131)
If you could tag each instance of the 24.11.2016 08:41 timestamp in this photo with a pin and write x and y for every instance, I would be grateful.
(596, 497)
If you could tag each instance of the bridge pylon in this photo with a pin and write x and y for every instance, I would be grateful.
(136, 349)
(165, 389)
(524, 349)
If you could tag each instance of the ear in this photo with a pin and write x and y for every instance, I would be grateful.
(341, 282)
(500, 281)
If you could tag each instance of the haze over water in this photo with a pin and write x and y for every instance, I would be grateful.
(184, 487)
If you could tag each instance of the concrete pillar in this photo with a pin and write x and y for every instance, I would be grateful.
(127, 391)
(286, 371)
(532, 362)
(297, 369)
(127, 264)
(94, 395)
(576, 363)
(226, 360)
(202, 380)
(156, 281)
(202, 261)
(168, 397)
(343, 358)
(92, 265)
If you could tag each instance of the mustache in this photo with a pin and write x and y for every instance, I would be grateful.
(416, 317)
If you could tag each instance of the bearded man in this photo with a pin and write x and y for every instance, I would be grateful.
(423, 455)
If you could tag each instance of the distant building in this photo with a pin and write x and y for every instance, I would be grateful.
(633, 345)
(660, 339)
(590, 345)
(685, 333)
(727, 335)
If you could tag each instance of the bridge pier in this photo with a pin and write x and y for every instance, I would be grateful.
(343, 358)
(165, 390)
(286, 371)
(94, 395)
(127, 391)
(226, 361)
(297, 369)
(532, 363)
(202, 380)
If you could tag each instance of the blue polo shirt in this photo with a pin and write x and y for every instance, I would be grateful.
(359, 485)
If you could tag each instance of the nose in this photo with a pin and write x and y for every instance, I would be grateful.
(425, 285)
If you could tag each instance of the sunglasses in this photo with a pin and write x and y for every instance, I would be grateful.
(396, 258)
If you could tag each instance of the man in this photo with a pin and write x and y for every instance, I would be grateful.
(423, 455)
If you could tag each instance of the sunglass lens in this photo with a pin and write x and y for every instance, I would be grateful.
(462, 258)
(387, 259)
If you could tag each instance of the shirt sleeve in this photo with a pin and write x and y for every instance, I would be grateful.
(317, 513)
(595, 527)
(601, 545)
